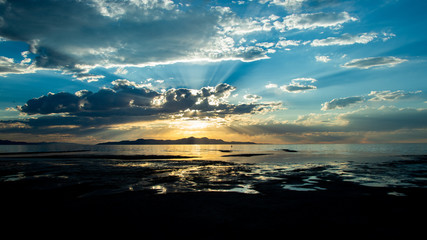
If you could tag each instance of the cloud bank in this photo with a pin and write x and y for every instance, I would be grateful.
(110, 33)
(370, 62)
(367, 125)
(127, 102)
(124, 33)
(373, 96)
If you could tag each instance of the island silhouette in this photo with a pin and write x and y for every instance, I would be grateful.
(190, 140)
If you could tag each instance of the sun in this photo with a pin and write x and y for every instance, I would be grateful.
(206, 127)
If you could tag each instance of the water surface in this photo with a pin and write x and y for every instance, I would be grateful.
(251, 169)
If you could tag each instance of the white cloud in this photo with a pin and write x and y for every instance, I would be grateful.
(289, 5)
(311, 80)
(365, 63)
(8, 66)
(239, 2)
(117, 9)
(125, 83)
(285, 43)
(387, 36)
(313, 20)
(340, 103)
(345, 39)
(373, 96)
(265, 44)
(391, 96)
(252, 97)
(324, 59)
(271, 85)
(121, 71)
(298, 85)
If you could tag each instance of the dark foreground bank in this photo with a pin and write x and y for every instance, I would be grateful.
(345, 211)
(69, 198)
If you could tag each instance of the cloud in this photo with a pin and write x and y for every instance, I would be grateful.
(8, 66)
(298, 85)
(252, 97)
(289, 5)
(384, 124)
(117, 10)
(298, 5)
(127, 98)
(374, 96)
(126, 108)
(345, 39)
(386, 119)
(118, 34)
(324, 59)
(387, 36)
(52, 103)
(365, 63)
(313, 20)
(391, 96)
(285, 43)
(340, 103)
(271, 85)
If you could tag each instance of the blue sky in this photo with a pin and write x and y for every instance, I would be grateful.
(271, 71)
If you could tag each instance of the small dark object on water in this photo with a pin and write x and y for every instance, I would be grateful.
(288, 150)
(225, 150)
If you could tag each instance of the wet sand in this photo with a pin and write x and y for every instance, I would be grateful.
(79, 198)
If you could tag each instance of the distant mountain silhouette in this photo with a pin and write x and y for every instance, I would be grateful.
(7, 142)
(190, 140)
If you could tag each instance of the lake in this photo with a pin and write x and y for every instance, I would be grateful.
(239, 168)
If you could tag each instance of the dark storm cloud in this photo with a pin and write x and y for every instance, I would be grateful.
(125, 98)
(52, 103)
(86, 113)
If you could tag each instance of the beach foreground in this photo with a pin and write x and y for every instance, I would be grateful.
(201, 199)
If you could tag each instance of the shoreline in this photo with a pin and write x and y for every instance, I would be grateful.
(51, 155)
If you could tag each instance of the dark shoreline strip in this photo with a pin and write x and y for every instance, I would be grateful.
(109, 156)
(29, 153)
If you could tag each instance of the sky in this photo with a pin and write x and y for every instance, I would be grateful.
(268, 71)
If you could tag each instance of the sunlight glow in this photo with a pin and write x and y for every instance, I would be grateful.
(195, 124)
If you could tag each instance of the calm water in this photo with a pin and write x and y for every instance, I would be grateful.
(237, 168)
(311, 152)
